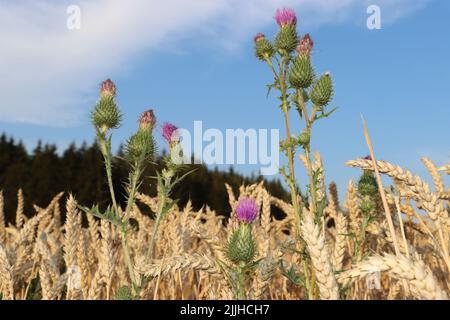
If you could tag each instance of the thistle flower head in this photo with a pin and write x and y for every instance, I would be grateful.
(285, 17)
(147, 120)
(107, 89)
(259, 36)
(368, 158)
(247, 210)
(306, 45)
(169, 132)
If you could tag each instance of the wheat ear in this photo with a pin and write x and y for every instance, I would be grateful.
(422, 282)
(320, 258)
(340, 242)
(170, 265)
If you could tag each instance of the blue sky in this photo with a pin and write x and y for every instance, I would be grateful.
(194, 61)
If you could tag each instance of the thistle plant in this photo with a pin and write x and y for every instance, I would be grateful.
(289, 59)
(241, 249)
(140, 150)
(167, 179)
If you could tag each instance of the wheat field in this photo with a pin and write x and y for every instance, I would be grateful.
(43, 257)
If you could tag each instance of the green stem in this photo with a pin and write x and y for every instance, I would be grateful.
(307, 148)
(132, 191)
(159, 214)
(128, 261)
(240, 294)
(131, 196)
(106, 151)
(290, 151)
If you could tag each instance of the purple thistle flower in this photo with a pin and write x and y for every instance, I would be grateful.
(168, 132)
(306, 45)
(368, 158)
(147, 120)
(259, 36)
(286, 17)
(108, 88)
(247, 210)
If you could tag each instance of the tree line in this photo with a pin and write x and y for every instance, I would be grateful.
(45, 172)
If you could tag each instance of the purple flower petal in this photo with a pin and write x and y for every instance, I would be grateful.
(285, 17)
(168, 132)
(247, 210)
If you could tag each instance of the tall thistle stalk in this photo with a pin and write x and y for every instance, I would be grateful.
(289, 59)
(140, 151)
(166, 180)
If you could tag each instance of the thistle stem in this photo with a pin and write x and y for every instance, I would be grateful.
(307, 149)
(240, 291)
(290, 151)
(128, 261)
(106, 151)
(124, 232)
(151, 245)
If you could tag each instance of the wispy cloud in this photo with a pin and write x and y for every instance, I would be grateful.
(48, 72)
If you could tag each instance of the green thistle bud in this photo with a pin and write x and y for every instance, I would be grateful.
(241, 247)
(263, 48)
(106, 114)
(304, 138)
(367, 184)
(286, 40)
(141, 146)
(322, 92)
(302, 73)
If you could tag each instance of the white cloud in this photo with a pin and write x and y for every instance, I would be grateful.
(48, 72)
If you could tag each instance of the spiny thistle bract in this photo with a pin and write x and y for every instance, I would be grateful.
(301, 75)
(286, 40)
(141, 146)
(367, 184)
(241, 246)
(322, 92)
(106, 114)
